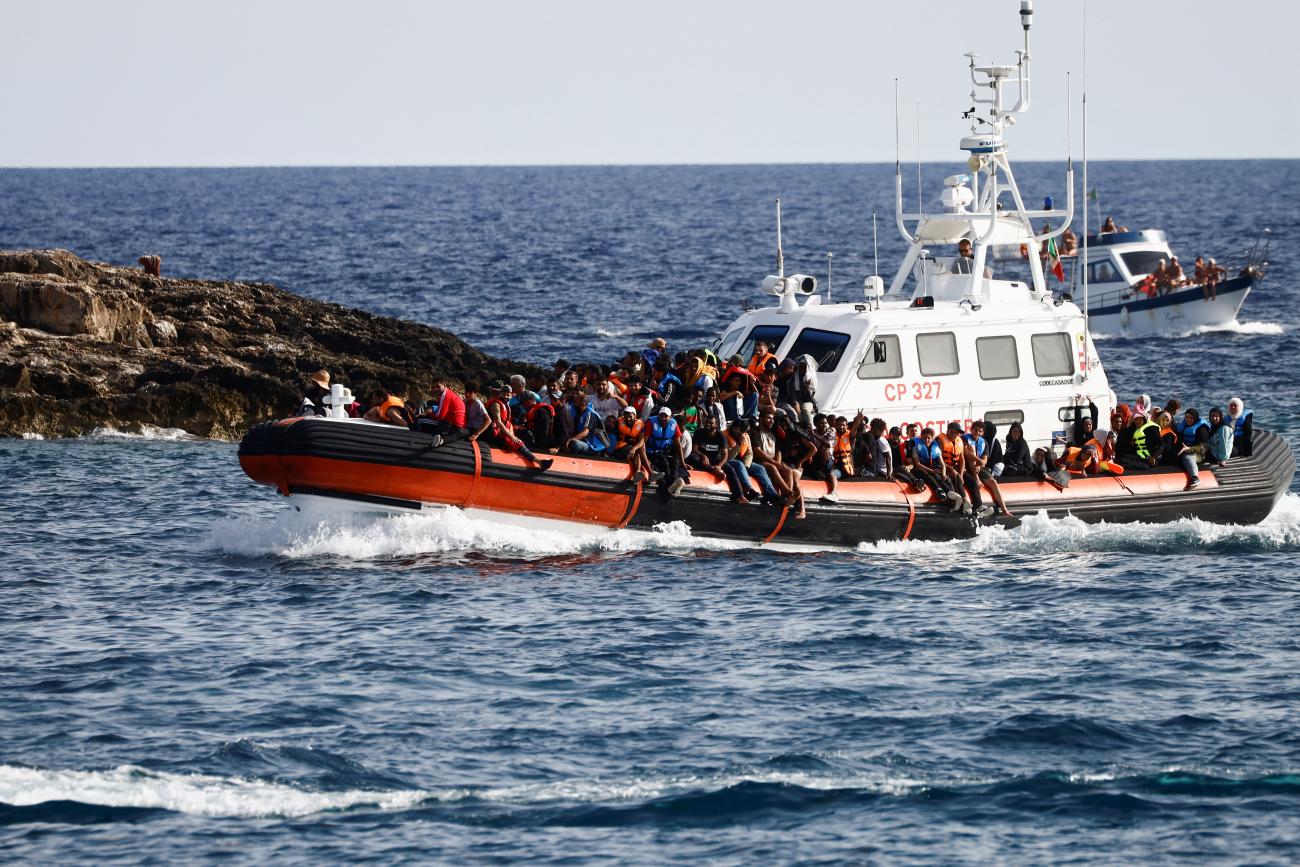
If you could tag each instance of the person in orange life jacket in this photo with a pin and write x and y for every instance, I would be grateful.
(445, 416)
(662, 439)
(739, 395)
(977, 457)
(386, 409)
(631, 446)
(925, 461)
(1243, 428)
(500, 432)
(759, 360)
(767, 454)
(954, 455)
(739, 467)
(1174, 453)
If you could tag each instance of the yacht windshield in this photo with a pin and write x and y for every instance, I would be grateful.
(1142, 262)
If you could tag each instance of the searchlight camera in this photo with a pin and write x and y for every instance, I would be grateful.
(795, 284)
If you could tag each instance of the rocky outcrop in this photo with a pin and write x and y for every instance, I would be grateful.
(85, 345)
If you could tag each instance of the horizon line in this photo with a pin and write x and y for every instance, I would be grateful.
(581, 165)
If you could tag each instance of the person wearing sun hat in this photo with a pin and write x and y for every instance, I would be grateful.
(318, 385)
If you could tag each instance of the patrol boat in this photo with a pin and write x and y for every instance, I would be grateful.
(945, 341)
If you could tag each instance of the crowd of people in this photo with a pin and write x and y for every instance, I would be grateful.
(756, 425)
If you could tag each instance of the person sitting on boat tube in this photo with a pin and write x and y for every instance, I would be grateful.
(500, 432)
(386, 409)
(630, 446)
(925, 461)
(1243, 432)
(583, 430)
(1174, 454)
(445, 416)
(953, 449)
(662, 440)
(764, 445)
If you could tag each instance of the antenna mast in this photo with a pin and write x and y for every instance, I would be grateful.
(1087, 336)
(780, 254)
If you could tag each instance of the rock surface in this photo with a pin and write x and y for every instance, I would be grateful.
(85, 345)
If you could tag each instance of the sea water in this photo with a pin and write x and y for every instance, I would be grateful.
(192, 671)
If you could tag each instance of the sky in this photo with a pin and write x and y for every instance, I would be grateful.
(490, 82)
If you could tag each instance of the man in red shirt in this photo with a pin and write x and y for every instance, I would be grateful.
(446, 418)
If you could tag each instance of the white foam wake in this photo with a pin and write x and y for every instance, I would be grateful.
(1039, 534)
(235, 797)
(1270, 329)
(147, 432)
(197, 794)
(440, 530)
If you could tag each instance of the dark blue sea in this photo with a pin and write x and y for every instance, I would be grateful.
(189, 673)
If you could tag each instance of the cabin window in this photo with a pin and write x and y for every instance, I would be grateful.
(825, 347)
(726, 346)
(1004, 417)
(1103, 272)
(1142, 262)
(997, 357)
(882, 360)
(937, 353)
(772, 335)
(1052, 354)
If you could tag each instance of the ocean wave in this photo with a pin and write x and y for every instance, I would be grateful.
(146, 432)
(439, 530)
(136, 788)
(1039, 534)
(34, 794)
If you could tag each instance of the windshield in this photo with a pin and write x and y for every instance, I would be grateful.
(1142, 262)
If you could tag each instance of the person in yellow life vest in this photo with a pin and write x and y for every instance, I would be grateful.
(1138, 445)
(386, 409)
(759, 361)
(631, 445)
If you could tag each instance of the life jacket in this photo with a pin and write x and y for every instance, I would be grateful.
(629, 432)
(393, 403)
(1239, 422)
(1143, 437)
(669, 378)
(844, 451)
(538, 409)
(661, 435)
(953, 450)
(618, 385)
(902, 451)
(977, 443)
(1147, 285)
(758, 363)
(504, 428)
(744, 446)
(1188, 432)
(928, 456)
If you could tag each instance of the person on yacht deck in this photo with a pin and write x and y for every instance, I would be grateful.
(1108, 226)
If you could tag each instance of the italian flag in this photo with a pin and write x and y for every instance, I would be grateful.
(1054, 260)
